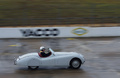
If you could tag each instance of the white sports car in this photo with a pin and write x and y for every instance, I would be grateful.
(54, 59)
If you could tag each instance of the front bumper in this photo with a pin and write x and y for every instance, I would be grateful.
(83, 61)
(82, 58)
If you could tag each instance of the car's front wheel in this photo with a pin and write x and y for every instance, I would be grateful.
(75, 63)
(33, 67)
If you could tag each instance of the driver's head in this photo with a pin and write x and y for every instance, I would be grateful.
(42, 48)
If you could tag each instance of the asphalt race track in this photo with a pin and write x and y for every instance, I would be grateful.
(102, 57)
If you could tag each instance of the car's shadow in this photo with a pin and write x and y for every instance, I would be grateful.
(48, 71)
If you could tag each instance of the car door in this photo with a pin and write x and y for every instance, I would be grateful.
(48, 61)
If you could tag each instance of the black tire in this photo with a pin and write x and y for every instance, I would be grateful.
(75, 63)
(33, 67)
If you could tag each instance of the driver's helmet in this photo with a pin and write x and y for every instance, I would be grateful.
(42, 48)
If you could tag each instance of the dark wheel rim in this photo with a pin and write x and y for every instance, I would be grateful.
(75, 64)
(33, 67)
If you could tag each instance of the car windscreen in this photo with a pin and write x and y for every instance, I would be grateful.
(51, 50)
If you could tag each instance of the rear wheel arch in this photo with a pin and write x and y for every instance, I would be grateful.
(33, 62)
(33, 67)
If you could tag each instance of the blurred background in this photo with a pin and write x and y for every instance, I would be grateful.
(102, 54)
(54, 12)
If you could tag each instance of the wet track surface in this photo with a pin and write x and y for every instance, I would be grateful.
(102, 57)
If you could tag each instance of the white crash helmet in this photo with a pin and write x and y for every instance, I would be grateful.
(42, 48)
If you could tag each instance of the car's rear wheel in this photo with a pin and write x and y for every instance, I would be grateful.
(75, 63)
(33, 67)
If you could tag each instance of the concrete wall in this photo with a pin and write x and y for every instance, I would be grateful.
(47, 32)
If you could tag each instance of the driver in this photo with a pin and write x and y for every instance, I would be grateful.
(43, 53)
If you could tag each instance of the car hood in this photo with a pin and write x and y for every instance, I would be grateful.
(65, 53)
(28, 55)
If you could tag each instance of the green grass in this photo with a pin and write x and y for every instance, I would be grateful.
(44, 9)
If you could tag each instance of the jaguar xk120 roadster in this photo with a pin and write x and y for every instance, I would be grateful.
(53, 59)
